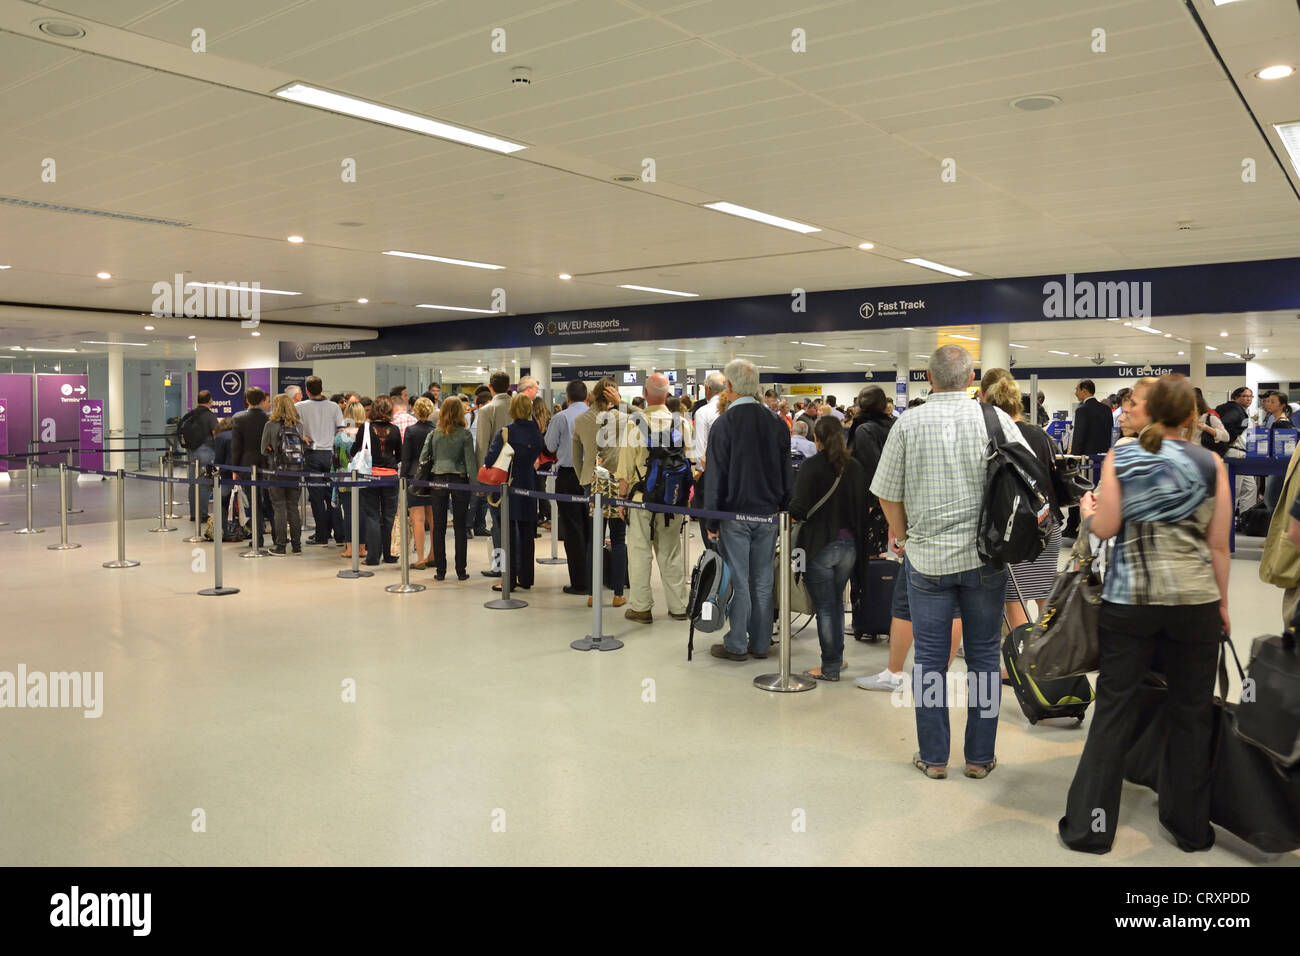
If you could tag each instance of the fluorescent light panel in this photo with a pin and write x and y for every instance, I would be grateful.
(453, 262)
(937, 267)
(227, 285)
(1289, 133)
(646, 288)
(1055, 352)
(137, 344)
(731, 209)
(363, 109)
(663, 348)
(19, 348)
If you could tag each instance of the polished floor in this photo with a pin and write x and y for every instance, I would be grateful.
(476, 736)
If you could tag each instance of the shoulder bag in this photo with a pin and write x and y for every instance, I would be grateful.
(499, 472)
(799, 536)
(361, 462)
(1064, 641)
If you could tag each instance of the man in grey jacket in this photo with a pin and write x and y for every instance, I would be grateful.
(493, 417)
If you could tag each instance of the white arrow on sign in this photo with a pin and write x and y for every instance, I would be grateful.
(81, 390)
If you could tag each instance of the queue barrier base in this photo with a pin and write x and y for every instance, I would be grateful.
(122, 563)
(218, 592)
(505, 604)
(350, 574)
(784, 684)
(602, 643)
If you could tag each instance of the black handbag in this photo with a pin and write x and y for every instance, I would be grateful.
(1064, 641)
(1252, 796)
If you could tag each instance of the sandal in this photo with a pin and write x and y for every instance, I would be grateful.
(934, 773)
(818, 675)
(978, 771)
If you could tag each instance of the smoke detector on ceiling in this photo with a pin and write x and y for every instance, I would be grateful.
(520, 77)
(1247, 354)
(1098, 359)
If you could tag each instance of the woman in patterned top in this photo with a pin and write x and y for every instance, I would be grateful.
(1165, 600)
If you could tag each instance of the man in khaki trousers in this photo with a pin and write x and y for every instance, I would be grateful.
(650, 531)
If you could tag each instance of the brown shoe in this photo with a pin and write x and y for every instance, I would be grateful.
(641, 617)
(679, 617)
(720, 651)
(620, 601)
(588, 602)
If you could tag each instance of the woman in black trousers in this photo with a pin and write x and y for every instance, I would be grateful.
(379, 505)
(526, 440)
(1165, 598)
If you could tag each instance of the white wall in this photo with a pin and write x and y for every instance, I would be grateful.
(346, 375)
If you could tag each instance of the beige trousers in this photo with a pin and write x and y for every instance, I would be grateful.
(667, 547)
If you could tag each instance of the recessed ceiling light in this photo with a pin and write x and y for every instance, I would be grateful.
(103, 275)
(881, 351)
(937, 267)
(866, 245)
(362, 301)
(1263, 350)
(256, 334)
(922, 356)
(455, 262)
(1147, 328)
(362, 109)
(746, 213)
(192, 337)
(565, 275)
(1279, 72)
(1169, 335)
(6, 267)
(1128, 323)
(148, 328)
(1211, 348)
(457, 308)
(646, 288)
(1223, 335)
(1035, 102)
(1180, 353)
(236, 288)
(1114, 353)
(295, 239)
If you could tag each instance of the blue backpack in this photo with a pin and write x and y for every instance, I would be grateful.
(667, 478)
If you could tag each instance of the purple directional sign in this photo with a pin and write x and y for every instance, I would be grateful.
(92, 433)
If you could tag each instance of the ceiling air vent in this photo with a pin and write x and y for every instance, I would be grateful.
(56, 207)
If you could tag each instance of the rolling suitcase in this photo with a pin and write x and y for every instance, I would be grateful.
(873, 600)
(1040, 700)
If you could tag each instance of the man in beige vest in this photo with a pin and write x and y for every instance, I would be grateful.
(493, 417)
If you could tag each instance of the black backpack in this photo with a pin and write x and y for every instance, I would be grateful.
(287, 453)
(191, 431)
(1014, 517)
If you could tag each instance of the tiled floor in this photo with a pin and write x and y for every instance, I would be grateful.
(476, 736)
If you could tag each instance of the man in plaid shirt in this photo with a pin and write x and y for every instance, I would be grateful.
(401, 417)
(930, 482)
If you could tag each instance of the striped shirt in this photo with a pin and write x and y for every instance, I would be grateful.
(933, 462)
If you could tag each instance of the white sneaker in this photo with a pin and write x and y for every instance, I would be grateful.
(886, 680)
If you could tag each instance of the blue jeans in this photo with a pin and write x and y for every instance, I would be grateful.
(203, 458)
(979, 595)
(826, 575)
(748, 550)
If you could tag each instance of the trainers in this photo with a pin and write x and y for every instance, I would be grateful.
(886, 680)
(641, 617)
(278, 552)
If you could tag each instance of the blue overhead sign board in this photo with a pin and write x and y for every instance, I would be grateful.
(1262, 286)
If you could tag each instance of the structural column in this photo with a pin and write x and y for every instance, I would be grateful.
(902, 372)
(539, 367)
(995, 346)
(116, 408)
(1197, 371)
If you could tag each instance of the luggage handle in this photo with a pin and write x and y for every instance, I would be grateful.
(1226, 641)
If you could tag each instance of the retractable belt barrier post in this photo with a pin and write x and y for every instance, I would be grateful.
(255, 550)
(555, 526)
(171, 489)
(29, 528)
(63, 512)
(68, 506)
(406, 587)
(121, 561)
(302, 505)
(196, 490)
(505, 602)
(218, 538)
(355, 571)
(596, 641)
(784, 682)
(164, 509)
